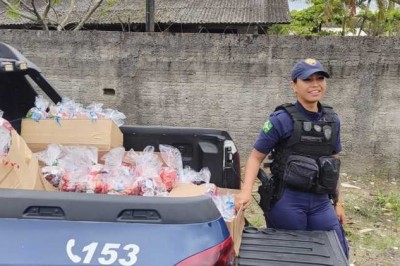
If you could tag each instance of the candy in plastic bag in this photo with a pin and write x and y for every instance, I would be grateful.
(40, 110)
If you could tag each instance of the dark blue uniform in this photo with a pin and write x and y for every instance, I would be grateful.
(297, 210)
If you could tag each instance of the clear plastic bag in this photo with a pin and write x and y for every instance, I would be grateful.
(4, 123)
(79, 157)
(191, 176)
(5, 135)
(50, 156)
(171, 156)
(40, 110)
(147, 164)
(93, 182)
(225, 205)
(147, 186)
(52, 172)
(146, 167)
(70, 109)
(95, 111)
(174, 167)
(115, 115)
(117, 178)
(118, 181)
(78, 163)
(169, 177)
(114, 157)
(5, 141)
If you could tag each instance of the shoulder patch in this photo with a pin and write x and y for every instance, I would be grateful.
(267, 126)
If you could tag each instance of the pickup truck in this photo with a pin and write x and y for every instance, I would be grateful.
(60, 228)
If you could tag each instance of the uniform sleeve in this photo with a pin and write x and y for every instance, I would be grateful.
(279, 126)
(338, 147)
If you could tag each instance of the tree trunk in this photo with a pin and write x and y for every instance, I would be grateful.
(96, 5)
(364, 18)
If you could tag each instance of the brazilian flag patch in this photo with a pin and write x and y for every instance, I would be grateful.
(267, 126)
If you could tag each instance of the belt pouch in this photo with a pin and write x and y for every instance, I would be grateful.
(301, 172)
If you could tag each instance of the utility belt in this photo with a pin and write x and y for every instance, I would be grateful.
(318, 176)
(301, 174)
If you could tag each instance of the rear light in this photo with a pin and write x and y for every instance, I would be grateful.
(222, 254)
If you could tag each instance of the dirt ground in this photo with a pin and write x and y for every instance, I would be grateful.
(373, 219)
(373, 213)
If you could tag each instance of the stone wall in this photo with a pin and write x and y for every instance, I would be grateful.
(231, 82)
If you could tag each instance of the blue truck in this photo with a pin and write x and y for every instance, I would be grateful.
(60, 228)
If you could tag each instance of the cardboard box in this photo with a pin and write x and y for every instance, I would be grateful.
(20, 168)
(235, 226)
(192, 190)
(102, 133)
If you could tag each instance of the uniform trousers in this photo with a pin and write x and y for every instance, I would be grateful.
(297, 210)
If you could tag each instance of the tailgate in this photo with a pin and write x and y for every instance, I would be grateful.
(56, 228)
(289, 247)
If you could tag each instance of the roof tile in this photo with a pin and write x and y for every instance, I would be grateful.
(180, 11)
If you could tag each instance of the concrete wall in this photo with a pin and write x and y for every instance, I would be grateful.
(230, 82)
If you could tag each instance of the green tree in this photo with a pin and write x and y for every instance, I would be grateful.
(53, 14)
(350, 15)
(310, 21)
(384, 21)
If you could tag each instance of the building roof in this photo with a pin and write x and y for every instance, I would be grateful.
(178, 11)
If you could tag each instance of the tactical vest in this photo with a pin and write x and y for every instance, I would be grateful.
(311, 139)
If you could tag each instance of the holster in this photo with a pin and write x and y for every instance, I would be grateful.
(266, 190)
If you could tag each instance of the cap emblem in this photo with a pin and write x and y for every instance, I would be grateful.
(311, 61)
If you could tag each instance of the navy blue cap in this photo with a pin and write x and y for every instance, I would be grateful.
(306, 67)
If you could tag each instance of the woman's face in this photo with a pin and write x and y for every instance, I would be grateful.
(310, 90)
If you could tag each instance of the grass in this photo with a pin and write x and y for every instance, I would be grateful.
(254, 215)
(390, 203)
(373, 214)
